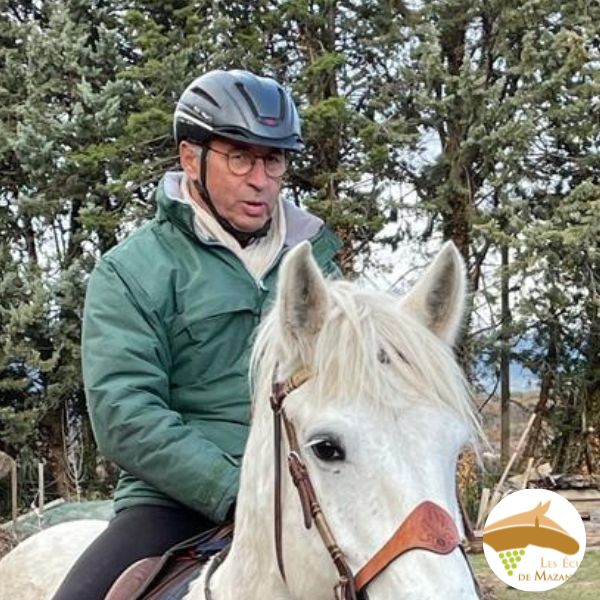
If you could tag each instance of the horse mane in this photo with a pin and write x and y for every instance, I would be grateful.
(367, 338)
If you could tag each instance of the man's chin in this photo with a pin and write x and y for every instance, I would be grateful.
(249, 225)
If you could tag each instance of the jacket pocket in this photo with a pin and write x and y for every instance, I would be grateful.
(214, 340)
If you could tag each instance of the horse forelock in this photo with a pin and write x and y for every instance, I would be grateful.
(368, 349)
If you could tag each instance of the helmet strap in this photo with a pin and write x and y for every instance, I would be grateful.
(243, 237)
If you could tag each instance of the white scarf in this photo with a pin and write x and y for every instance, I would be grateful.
(257, 256)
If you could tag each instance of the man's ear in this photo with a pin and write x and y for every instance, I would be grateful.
(189, 158)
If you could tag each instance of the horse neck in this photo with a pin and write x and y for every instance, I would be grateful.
(250, 569)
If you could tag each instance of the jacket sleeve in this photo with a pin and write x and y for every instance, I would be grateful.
(126, 364)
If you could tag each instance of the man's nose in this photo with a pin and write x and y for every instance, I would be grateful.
(257, 177)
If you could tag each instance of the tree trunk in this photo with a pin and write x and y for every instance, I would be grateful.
(505, 353)
(540, 408)
(55, 454)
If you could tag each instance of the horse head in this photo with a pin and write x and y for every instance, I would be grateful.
(379, 411)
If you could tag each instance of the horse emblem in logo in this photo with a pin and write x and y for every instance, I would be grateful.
(534, 540)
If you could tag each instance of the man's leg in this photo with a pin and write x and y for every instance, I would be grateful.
(133, 534)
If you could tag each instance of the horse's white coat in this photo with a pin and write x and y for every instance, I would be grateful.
(35, 568)
(386, 389)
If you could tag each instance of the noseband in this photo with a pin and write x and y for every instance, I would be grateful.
(427, 527)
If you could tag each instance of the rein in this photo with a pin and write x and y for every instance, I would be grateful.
(427, 527)
(311, 509)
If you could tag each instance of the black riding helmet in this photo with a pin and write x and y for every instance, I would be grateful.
(239, 106)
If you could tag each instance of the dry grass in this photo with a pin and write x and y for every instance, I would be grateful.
(584, 585)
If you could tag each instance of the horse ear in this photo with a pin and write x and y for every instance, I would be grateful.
(438, 298)
(302, 300)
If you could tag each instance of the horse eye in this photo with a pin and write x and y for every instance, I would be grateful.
(328, 451)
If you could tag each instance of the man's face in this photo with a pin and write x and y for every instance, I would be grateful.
(246, 201)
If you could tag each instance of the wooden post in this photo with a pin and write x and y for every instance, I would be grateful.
(13, 493)
(517, 451)
(41, 486)
(527, 473)
(497, 494)
(483, 508)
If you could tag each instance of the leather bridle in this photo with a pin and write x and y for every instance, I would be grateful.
(428, 527)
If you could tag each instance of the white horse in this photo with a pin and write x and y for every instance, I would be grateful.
(380, 412)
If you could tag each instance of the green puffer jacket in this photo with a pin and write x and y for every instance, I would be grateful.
(167, 334)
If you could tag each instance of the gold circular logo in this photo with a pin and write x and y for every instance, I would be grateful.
(534, 540)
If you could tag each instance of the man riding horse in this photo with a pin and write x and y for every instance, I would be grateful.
(169, 317)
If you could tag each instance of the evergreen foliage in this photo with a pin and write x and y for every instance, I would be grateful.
(487, 111)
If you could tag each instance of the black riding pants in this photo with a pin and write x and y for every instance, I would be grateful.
(134, 533)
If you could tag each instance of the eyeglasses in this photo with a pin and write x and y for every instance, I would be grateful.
(241, 162)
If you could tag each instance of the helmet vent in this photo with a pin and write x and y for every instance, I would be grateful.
(200, 92)
(247, 97)
(282, 104)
